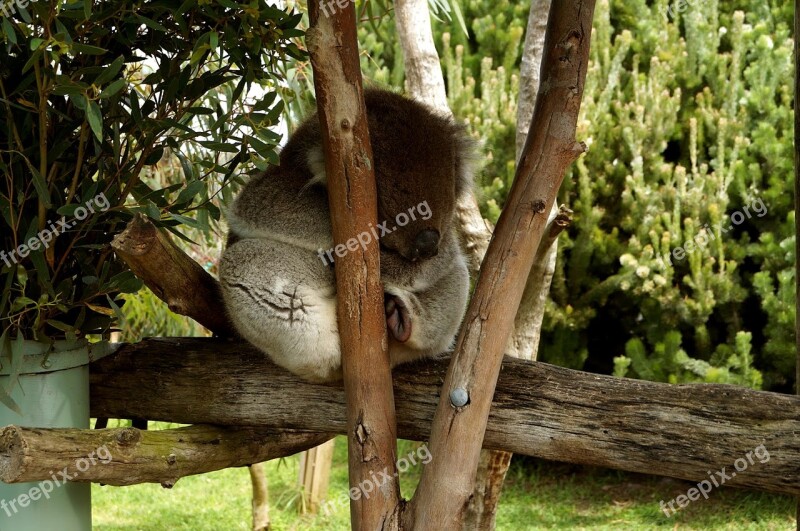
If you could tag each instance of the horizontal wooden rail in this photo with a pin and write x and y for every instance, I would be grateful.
(127, 456)
(681, 431)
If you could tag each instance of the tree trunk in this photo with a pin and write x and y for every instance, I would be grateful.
(524, 343)
(426, 83)
(258, 479)
(460, 423)
(371, 424)
(424, 80)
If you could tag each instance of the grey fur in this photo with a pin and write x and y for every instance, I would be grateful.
(279, 294)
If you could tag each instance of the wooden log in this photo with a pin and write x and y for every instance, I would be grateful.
(128, 456)
(680, 431)
(315, 474)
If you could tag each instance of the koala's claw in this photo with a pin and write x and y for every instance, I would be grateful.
(398, 320)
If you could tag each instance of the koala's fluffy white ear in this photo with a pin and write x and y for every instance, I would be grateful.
(316, 163)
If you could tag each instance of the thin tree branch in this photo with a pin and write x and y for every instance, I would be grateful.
(172, 275)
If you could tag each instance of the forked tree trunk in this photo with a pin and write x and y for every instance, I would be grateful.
(425, 82)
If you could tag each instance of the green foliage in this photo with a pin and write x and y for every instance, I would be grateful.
(96, 99)
(148, 316)
(689, 124)
(682, 199)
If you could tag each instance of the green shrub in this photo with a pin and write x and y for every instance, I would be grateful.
(690, 134)
(93, 96)
(689, 122)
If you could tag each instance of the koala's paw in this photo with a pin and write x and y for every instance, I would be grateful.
(398, 317)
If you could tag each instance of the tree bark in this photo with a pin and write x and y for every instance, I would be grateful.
(371, 425)
(524, 343)
(460, 422)
(541, 410)
(258, 479)
(423, 69)
(127, 456)
(172, 275)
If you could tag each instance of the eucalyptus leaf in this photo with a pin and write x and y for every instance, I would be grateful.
(95, 119)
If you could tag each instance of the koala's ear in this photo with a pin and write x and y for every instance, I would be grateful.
(467, 160)
(316, 163)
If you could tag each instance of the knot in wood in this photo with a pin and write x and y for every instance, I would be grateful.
(128, 436)
(361, 433)
(539, 206)
(345, 124)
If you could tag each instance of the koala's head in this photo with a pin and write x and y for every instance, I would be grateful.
(423, 163)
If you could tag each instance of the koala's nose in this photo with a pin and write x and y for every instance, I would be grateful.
(426, 244)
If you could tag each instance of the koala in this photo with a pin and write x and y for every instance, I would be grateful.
(277, 271)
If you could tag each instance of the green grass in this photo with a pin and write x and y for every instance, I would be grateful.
(538, 495)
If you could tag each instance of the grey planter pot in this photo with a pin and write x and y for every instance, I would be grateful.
(52, 391)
